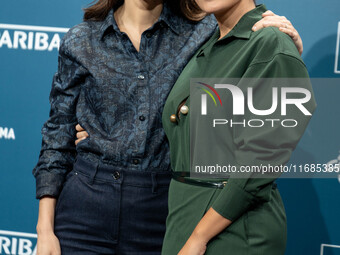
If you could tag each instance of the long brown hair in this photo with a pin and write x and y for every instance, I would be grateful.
(99, 9)
(191, 10)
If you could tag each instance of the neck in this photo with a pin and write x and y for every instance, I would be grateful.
(227, 19)
(139, 14)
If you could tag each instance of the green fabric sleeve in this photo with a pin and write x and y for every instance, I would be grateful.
(265, 145)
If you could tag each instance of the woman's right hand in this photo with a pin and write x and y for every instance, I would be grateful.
(81, 134)
(48, 244)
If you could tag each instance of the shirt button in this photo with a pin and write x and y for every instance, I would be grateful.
(141, 77)
(135, 161)
(173, 118)
(148, 34)
(184, 109)
(141, 118)
(116, 175)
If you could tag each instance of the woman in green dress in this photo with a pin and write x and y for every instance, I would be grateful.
(243, 215)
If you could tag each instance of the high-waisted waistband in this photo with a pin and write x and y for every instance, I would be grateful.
(104, 172)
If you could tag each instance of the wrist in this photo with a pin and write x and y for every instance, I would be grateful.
(200, 236)
(44, 228)
(45, 223)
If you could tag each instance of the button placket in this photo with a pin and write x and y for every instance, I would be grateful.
(142, 112)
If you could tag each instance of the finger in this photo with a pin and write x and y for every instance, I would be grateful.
(290, 32)
(259, 25)
(276, 17)
(82, 134)
(79, 128)
(288, 22)
(287, 26)
(265, 23)
(79, 140)
(268, 13)
(283, 19)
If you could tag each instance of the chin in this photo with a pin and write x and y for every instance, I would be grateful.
(214, 6)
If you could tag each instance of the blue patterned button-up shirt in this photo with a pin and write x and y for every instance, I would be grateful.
(116, 94)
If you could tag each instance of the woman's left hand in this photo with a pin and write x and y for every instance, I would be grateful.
(194, 246)
(270, 19)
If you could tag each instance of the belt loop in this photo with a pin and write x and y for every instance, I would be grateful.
(154, 182)
(93, 175)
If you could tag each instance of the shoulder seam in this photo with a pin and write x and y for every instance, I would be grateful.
(274, 56)
(80, 36)
(280, 49)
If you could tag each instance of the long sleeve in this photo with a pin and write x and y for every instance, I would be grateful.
(266, 145)
(58, 133)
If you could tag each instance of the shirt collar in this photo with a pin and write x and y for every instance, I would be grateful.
(109, 23)
(167, 16)
(171, 19)
(243, 27)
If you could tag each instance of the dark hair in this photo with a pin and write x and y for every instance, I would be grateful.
(99, 9)
(191, 10)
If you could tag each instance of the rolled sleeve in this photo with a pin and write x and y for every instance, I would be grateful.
(231, 208)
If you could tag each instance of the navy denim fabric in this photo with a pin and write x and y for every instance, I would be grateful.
(116, 94)
(109, 210)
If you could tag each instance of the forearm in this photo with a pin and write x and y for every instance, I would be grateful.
(210, 225)
(46, 215)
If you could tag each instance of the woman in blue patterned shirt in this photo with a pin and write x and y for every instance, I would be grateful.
(108, 194)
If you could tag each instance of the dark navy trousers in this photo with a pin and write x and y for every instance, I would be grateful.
(108, 210)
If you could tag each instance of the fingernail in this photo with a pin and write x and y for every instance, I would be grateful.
(254, 28)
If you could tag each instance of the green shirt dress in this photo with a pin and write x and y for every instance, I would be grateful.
(253, 204)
